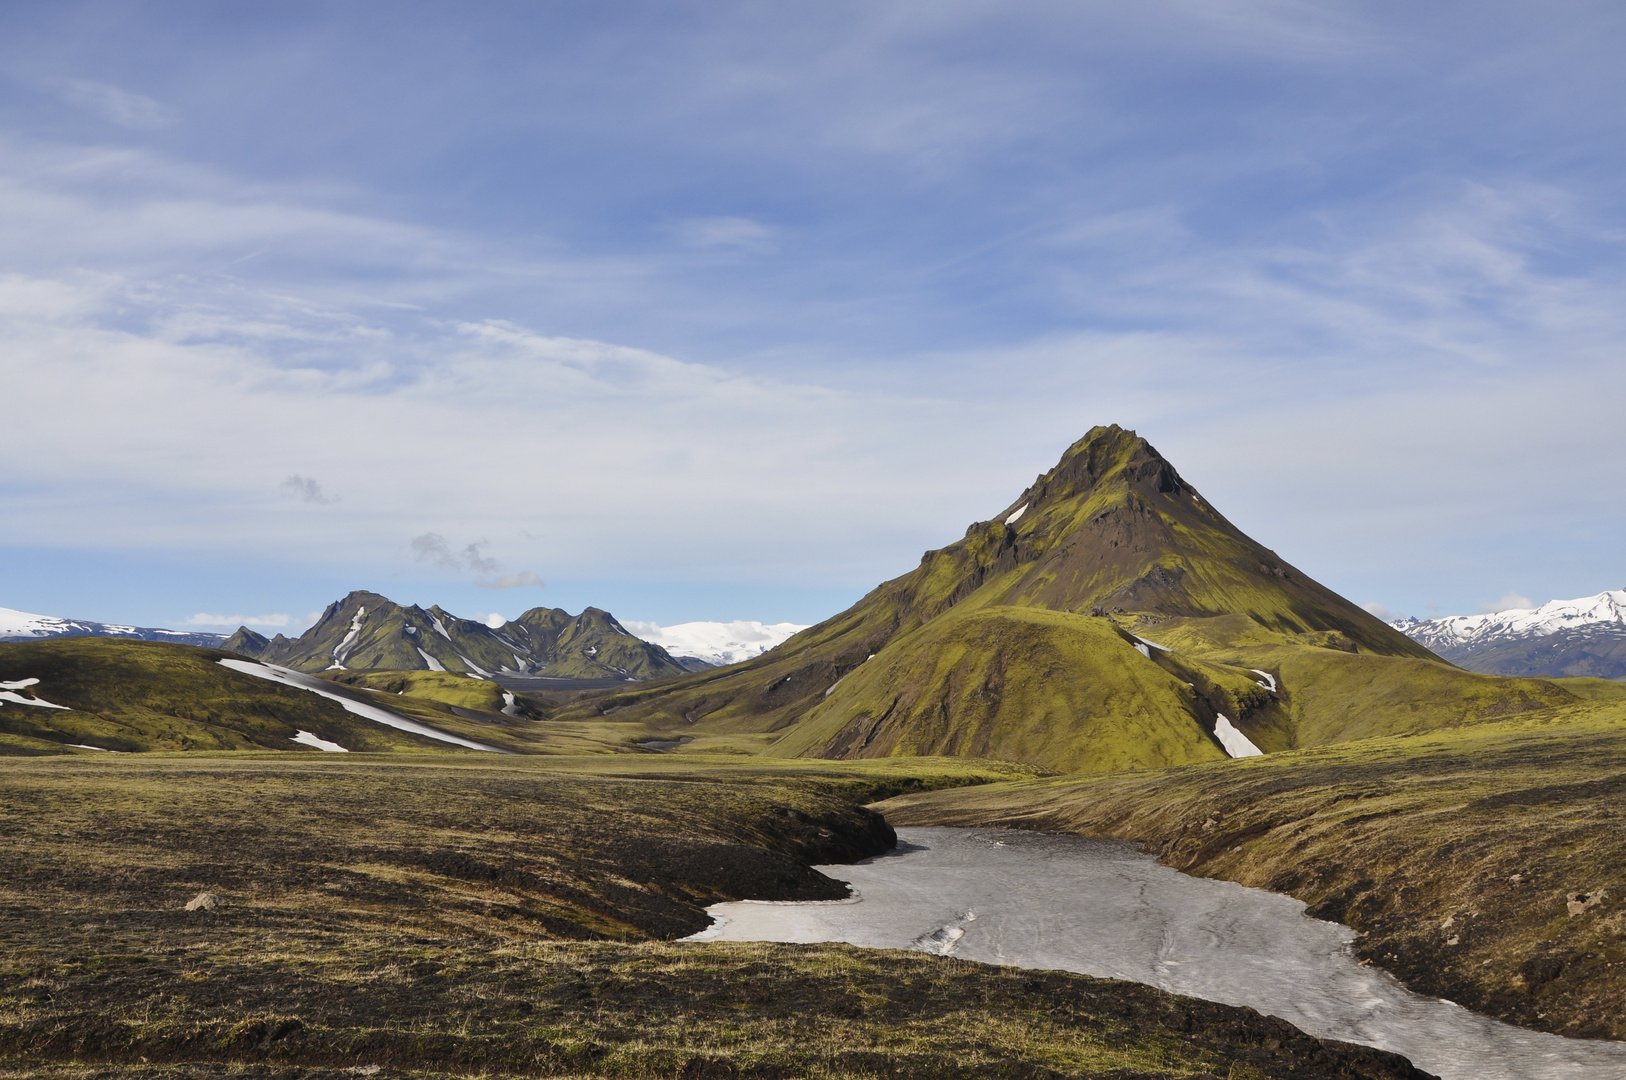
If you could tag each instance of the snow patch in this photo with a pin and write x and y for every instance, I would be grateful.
(434, 665)
(1236, 744)
(1270, 680)
(1016, 514)
(309, 739)
(86, 746)
(716, 643)
(1140, 647)
(301, 681)
(510, 704)
(1155, 645)
(439, 629)
(8, 692)
(476, 670)
(349, 641)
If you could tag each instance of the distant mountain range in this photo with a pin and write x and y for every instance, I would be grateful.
(1584, 637)
(369, 632)
(23, 626)
(547, 642)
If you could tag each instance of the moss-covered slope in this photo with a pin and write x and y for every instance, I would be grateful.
(130, 696)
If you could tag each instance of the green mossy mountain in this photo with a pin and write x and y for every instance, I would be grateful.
(369, 632)
(1031, 640)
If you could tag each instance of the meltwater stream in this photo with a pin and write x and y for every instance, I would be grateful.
(1101, 908)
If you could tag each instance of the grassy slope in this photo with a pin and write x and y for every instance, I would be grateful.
(140, 696)
(1455, 852)
(429, 914)
(1016, 684)
(143, 695)
(1330, 695)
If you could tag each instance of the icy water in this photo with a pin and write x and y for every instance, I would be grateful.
(1101, 908)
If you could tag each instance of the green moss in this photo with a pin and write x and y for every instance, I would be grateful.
(1066, 692)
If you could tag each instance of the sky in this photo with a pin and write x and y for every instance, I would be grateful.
(730, 310)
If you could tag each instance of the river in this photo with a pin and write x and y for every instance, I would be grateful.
(1102, 908)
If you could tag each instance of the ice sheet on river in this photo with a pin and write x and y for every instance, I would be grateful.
(1101, 908)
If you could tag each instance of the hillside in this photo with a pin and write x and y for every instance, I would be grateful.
(81, 694)
(1109, 617)
(1562, 638)
(95, 693)
(369, 632)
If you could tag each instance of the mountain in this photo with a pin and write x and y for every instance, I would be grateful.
(369, 632)
(1584, 637)
(716, 644)
(22, 626)
(1107, 618)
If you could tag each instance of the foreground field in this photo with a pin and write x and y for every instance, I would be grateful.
(1484, 864)
(470, 916)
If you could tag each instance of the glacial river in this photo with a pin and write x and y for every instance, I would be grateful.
(1102, 908)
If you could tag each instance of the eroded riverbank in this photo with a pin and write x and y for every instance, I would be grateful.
(1101, 908)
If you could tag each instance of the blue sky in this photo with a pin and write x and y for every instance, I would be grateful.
(729, 310)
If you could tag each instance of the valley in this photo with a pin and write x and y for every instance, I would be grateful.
(1107, 657)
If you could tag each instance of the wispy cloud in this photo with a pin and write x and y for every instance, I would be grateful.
(728, 233)
(306, 489)
(522, 580)
(1509, 602)
(203, 618)
(121, 107)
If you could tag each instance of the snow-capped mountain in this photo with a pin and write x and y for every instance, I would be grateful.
(1562, 637)
(24, 626)
(716, 643)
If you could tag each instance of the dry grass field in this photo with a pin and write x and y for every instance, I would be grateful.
(463, 915)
